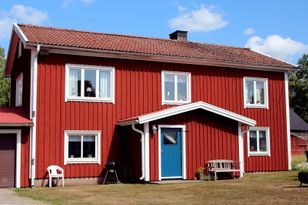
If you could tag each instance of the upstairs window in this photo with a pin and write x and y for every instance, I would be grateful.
(256, 92)
(258, 142)
(176, 87)
(82, 147)
(18, 94)
(89, 83)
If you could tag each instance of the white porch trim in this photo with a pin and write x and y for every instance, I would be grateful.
(186, 108)
(18, 153)
(146, 130)
(183, 128)
(241, 150)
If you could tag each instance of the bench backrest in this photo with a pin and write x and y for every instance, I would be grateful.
(220, 164)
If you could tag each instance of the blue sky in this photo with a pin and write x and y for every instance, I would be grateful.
(277, 28)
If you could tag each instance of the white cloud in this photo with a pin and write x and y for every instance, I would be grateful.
(202, 19)
(66, 3)
(277, 46)
(249, 31)
(20, 14)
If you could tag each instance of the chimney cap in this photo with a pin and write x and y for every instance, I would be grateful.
(179, 35)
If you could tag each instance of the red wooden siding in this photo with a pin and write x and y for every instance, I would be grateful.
(208, 136)
(25, 157)
(298, 145)
(138, 91)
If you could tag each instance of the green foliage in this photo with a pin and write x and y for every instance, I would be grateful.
(298, 84)
(4, 83)
(303, 167)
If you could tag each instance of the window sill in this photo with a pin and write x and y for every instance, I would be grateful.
(256, 106)
(89, 100)
(259, 154)
(82, 161)
(175, 102)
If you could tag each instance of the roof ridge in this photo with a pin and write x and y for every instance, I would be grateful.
(132, 36)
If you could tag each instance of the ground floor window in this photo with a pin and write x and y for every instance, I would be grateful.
(82, 147)
(258, 142)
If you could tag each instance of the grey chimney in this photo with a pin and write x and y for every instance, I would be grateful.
(179, 35)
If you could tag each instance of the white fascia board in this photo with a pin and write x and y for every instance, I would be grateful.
(20, 33)
(193, 106)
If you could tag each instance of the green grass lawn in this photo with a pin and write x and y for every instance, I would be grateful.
(264, 188)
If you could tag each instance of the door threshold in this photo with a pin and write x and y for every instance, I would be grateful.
(175, 181)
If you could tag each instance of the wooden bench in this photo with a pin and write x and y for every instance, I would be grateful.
(221, 166)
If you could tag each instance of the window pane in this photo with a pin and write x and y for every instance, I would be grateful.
(74, 82)
(18, 96)
(104, 84)
(260, 92)
(182, 87)
(249, 92)
(170, 136)
(89, 83)
(253, 141)
(74, 146)
(169, 87)
(89, 146)
(262, 141)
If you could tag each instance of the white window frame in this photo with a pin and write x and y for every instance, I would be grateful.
(90, 99)
(254, 105)
(81, 160)
(268, 142)
(17, 90)
(176, 102)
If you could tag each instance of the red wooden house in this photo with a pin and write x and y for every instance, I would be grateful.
(160, 108)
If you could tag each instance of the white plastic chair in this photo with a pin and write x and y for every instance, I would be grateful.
(57, 172)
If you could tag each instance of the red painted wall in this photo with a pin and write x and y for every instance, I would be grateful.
(138, 91)
(298, 145)
(25, 157)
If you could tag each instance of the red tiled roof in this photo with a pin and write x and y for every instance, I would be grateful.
(149, 46)
(12, 116)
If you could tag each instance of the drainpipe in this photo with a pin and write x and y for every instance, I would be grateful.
(33, 101)
(142, 150)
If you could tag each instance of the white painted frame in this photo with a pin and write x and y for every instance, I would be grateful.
(96, 160)
(183, 128)
(97, 69)
(18, 89)
(175, 102)
(286, 89)
(254, 79)
(18, 153)
(268, 142)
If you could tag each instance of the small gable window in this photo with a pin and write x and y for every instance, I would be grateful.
(89, 83)
(19, 87)
(176, 87)
(255, 92)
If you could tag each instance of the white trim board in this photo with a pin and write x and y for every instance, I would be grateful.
(286, 88)
(186, 108)
(18, 154)
(183, 128)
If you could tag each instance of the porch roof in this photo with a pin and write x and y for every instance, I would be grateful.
(168, 112)
(13, 117)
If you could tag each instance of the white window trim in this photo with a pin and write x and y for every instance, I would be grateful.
(20, 77)
(254, 79)
(175, 102)
(268, 142)
(96, 160)
(89, 99)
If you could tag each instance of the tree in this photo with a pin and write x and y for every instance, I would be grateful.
(298, 85)
(4, 83)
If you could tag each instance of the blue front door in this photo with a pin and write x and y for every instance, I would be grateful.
(171, 152)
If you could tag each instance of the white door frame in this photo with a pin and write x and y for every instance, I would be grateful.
(18, 153)
(183, 128)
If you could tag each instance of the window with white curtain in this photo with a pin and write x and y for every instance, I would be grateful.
(89, 83)
(255, 92)
(175, 87)
(258, 141)
(18, 93)
(82, 146)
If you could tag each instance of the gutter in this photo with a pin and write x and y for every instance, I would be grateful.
(142, 151)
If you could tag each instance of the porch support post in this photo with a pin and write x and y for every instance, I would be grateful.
(147, 151)
(241, 149)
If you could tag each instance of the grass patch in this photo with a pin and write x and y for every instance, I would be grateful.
(266, 188)
(297, 159)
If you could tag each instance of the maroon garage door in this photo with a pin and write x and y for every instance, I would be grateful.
(7, 160)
